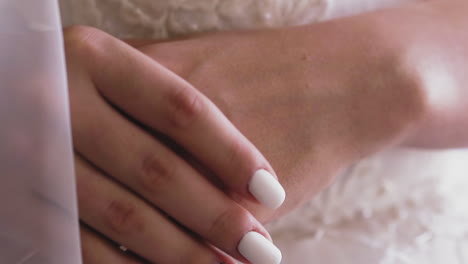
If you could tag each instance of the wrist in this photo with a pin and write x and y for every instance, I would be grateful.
(369, 61)
(425, 49)
(404, 39)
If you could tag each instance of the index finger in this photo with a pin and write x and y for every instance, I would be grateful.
(160, 99)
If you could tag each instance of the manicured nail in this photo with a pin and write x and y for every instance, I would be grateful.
(266, 189)
(259, 250)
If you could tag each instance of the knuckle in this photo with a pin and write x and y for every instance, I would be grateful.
(87, 255)
(237, 150)
(155, 173)
(126, 259)
(196, 255)
(84, 40)
(232, 222)
(405, 102)
(413, 85)
(123, 217)
(86, 252)
(185, 107)
(240, 154)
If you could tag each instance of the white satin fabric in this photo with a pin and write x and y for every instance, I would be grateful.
(401, 206)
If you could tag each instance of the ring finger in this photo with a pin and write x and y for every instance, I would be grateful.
(124, 218)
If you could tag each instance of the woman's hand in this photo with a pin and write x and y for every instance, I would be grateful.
(314, 99)
(133, 189)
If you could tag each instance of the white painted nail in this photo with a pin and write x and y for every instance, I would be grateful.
(259, 250)
(266, 189)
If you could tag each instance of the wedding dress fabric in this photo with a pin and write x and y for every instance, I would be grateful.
(401, 206)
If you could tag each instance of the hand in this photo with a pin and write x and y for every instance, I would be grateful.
(314, 99)
(132, 188)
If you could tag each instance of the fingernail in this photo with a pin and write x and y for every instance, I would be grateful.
(266, 189)
(259, 250)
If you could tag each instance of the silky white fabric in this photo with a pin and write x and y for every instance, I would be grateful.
(400, 206)
(38, 207)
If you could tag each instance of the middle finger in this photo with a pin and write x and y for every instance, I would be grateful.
(136, 159)
(124, 218)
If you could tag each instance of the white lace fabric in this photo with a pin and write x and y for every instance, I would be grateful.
(166, 18)
(401, 206)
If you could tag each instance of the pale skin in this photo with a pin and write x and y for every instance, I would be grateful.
(112, 147)
(312, 99)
